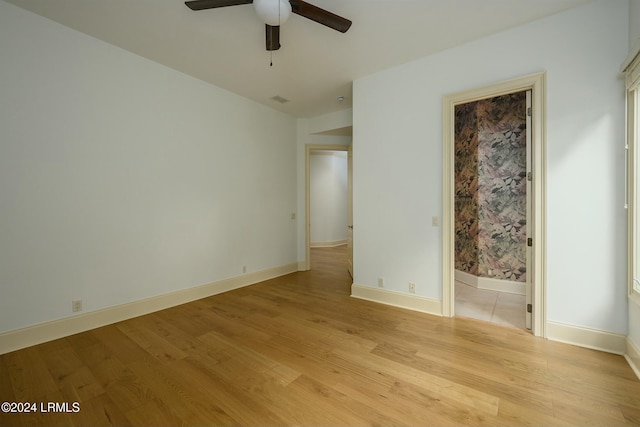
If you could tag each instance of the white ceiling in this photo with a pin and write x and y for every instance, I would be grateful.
(315, 65)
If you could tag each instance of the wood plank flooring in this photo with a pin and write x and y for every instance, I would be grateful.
(297, 350)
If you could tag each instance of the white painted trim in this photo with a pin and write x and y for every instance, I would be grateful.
(307, 195)
(464, 277)
(32, 335)
(536, 83)
(504, 286)
(491, 284)
(397, 299)
(634, 52)
(586, 337)
(634, 298)
(633, 357)
(332, 244)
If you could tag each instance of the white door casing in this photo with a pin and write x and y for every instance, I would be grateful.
(350, 211)
(307, 192)
(536, 228)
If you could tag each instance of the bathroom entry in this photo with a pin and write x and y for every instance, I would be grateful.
(492, 208)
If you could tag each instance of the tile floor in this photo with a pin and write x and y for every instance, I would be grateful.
(491, 306)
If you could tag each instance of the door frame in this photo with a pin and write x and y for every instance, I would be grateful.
(535, 83)
(307, 193)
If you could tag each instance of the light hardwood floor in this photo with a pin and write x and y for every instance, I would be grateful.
(298, 350)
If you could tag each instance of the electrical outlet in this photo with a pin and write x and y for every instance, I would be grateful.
(381, 282)
(76, 305)
(244, 268)
(412, 287)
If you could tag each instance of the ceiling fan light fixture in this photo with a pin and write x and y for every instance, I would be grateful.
(273, 12)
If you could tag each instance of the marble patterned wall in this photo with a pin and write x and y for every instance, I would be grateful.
(490, 185)
(466, 188)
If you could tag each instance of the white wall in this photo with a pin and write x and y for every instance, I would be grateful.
(634, 22)
(121, 179)
(328, 197)
(397, 143)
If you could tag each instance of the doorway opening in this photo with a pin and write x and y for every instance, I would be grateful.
(492, 144)
(328, 206)
(528, 271)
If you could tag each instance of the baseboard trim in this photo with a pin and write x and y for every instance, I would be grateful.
(397, 299)
(633, 357)
(589, 338)
(331, 244)
(488, 283)
(47, 331)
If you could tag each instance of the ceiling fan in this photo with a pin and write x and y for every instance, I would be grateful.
(275, 12)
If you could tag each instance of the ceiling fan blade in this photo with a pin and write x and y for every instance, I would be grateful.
(273, 37)
(319, 15)
(212, 4)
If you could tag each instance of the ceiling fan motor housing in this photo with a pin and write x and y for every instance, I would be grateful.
(276, 12)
